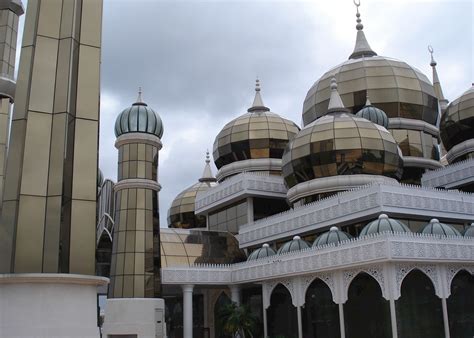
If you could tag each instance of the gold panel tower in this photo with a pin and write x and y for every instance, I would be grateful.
(135, 266)
(49, 200)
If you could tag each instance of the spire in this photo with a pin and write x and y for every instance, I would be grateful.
(335, 102)
(362, 47)
(207, 173)
(257, 105)
(367, 101)
(139, 101)
(436, 83)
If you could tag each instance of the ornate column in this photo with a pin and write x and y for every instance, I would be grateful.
(300, 322)
(445, 318)
(235, 294)
(188, 311)
(341, 320)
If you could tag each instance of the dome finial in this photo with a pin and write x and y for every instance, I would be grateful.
(257, 105)
(362, 47)
(207, 172)
(335, 102)
(367, 101)
(139, 101)
(436, 83)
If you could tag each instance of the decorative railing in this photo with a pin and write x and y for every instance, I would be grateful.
(449, 175)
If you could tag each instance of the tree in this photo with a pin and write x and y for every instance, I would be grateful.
(238, 321)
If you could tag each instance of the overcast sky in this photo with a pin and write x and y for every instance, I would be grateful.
(197, 62)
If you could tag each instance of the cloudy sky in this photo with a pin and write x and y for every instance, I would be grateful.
(197, 62)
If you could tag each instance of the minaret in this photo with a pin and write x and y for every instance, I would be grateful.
(135, 267)
(10, 11)
(50, 195)
(443, 103)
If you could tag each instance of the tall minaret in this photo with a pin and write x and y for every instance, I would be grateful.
(135, 267)
(443, 103)
(48, 220)
(10, 11)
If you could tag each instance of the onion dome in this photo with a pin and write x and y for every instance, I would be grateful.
(139, 118)
(340, 143)
(295, 244)
(457, 127)
(257, 134)
(469, 232)
(263, 252)
(384, 224)
(373, 114)
(181, 213)
(434, 227)
(100, 178)
(334, 235)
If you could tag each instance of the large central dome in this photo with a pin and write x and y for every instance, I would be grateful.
(255, 135)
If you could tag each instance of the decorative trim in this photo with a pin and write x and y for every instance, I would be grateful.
(403, 123)
(52, 278)
(16, 6)
(258, 164)
(237, 188)
(421, 162)
(361, 204)
(334, 183)
(452, 176)
(134, 183)
(460, 149)
(138, 138)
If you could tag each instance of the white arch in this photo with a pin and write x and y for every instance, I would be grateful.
(430, 271)
(376, 272)
(452, 272)
(328, 280)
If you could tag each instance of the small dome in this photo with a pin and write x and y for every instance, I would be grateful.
(181, 213)
(263, 252)
(341, 144)
(294, 245)
(434, 227)
(334, 235)
(457, 123)
(469, 232)
(256, 134)
(139, 118)
(384, 224)
(373, 114)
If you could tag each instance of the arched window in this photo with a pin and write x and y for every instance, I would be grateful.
(366, 312)
(320, 313)
(282, 318)
(419, 310)
(461, 306)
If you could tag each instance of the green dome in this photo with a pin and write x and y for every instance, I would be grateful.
(139, 118)
(434, 227)
(384, 224)
(263, 252)
(373, 114)
(295, 244)
(334, 235)
(469, 232)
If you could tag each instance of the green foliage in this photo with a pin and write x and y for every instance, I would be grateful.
(238, 320)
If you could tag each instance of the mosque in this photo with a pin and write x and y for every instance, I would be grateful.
(358, 224)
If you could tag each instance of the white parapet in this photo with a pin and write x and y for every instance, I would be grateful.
(44, 305)
(140, 317)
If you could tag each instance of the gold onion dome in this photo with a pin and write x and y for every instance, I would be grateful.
(181, 213)
(397, 88)
(139, 118)
(257, 134)
(457, 123)
(340, 143)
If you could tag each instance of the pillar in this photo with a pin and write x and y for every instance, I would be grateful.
(300, 322)
(445, 318)
(393, 318)
(249, 210)
(235, 294)
(188, 311)
(50, 193)
(265, 327)
(341, 320)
